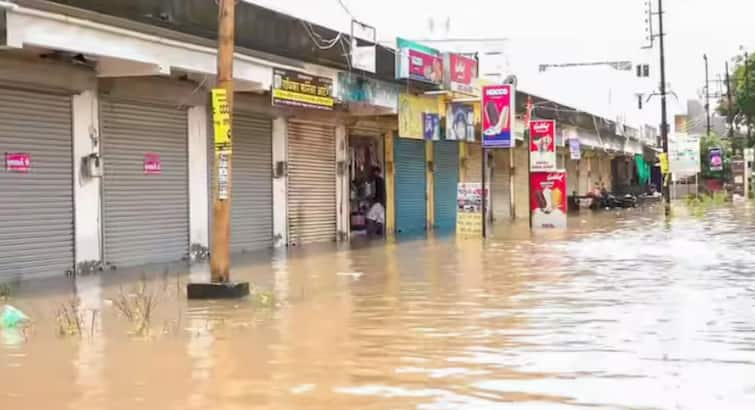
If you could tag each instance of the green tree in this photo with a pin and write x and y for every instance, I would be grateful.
(708, 143)
(743, 95)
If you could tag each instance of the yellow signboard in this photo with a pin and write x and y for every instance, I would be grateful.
(664, 163)
(469, 225)
(221, 118)
(410, 110)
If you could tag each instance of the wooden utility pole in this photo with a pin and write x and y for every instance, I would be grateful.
(730, 110)
(220, 254)
(664, 111)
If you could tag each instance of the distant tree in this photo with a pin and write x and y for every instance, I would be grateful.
(708, 143)
(743, 98)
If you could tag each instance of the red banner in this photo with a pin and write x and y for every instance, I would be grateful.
(425, 67)
(548, 204)
(152, 164)
(543, 145)
(18, 162)
(461, 73)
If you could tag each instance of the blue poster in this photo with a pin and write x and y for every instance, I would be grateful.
(431, 126)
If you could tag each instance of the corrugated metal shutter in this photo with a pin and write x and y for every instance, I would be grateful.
(146, 217)
(522, 181)
(501, 185)
(411, 186)
(252, 203)
(445, 183)
(311, 183)
(473, 169)
(36, 208)
(572, 183)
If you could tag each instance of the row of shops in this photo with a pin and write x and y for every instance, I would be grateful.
(109, 157)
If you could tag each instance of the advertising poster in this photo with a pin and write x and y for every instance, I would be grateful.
(460, 122)
(575, 150)
(152, 164)
(716, 159)
(460, 73)
(498, 116)
(295, 89)
(542, 145)
(221, 119)
(738, 171)
(684, 154)
(411, 108)
(418, 62)
(18, 162)
(548, 202)
(431, 126)
(469, 209)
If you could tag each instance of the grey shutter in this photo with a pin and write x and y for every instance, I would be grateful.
(311, 183)
(36, 208)
(252, 201)
(146, 217)
(501, 185)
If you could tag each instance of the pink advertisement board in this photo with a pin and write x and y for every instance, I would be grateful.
(18, 162)
(498, 116)
(152, 164)
(543, 145)
(548, 199)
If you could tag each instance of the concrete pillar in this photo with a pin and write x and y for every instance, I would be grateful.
(280, 183)
(390, 184)
(87, 191)
(430, 194)
(343, 208)
(199, 191)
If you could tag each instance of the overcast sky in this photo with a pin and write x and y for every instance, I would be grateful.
(556, 31)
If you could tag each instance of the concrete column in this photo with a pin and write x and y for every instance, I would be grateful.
(87, 191)
(199, 191)
(390, 184)
(343, 208)
(280, 183)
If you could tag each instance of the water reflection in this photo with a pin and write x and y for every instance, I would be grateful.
(624, 311)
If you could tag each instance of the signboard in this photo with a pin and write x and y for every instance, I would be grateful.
(411, 110)
(716, 159)
(152, 164)
(431, 126)
(739, 172)
(548, 202)
(684, 155)
(543, 145)
(460, 122)
(358, 90)
(295, 89)
(363, 57)
(221, 119)
(18, 162)
(469, 198)
(498, 116)
(749, 154)
(418, 62)
(575, 150)
(664, 162)
(459, 74)
(224, 177)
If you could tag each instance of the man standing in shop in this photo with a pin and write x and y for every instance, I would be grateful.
(376, 214)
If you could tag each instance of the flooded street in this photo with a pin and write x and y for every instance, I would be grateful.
(624, 311)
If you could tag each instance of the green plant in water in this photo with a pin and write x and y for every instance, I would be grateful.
(68, 319)
(263, 298)
(5, 291)
(137, 307)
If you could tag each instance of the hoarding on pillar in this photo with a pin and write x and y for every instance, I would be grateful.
(498, 106)
(548, 202)
(543, 145)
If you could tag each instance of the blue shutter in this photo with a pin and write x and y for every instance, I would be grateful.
(411, 186)
(446, 179)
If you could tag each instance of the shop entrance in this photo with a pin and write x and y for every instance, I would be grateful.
(367, 186)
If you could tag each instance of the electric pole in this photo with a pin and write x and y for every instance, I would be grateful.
(730, 111)
(220, 253)
(707, 96)
(664, 109)
(747, 97)
(220, 286)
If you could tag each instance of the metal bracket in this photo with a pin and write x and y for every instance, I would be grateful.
(281, 169)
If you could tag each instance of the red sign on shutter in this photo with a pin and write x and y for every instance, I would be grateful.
(152, 164)
(17, 162)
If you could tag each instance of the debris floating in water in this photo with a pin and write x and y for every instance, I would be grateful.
(11, 317)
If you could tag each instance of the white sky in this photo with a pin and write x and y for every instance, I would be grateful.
(556, 31)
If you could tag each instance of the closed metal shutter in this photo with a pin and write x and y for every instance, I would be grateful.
(522, 181)
(146, 217)
(36, 207)
(445, 183)
(411, 186)
(501, 185)
(572, 182)
(252, 202)
(311, 183)
(474, 163)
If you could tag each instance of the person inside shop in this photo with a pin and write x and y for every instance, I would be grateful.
(378, 186)
(376, 214)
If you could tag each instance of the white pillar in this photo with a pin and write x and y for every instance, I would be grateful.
(87, 198)
(343, 212)
(280, 183)
(199, 194)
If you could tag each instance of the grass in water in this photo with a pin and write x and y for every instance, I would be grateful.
(137, 307)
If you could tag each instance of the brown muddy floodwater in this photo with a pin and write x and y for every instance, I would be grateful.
(624, 311)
